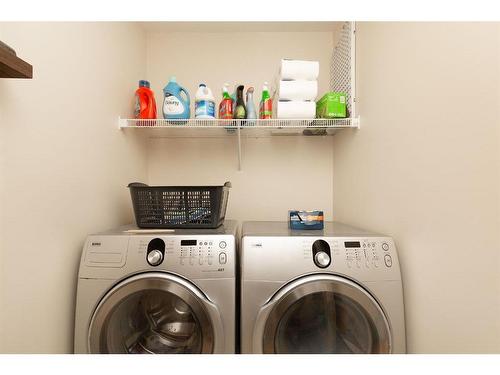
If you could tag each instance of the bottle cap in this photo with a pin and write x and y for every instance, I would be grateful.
(173, 79)
(203, 85)
(144, 83)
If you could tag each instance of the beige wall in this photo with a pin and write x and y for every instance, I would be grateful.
(64, 169)
(424, 168)
(278, 173)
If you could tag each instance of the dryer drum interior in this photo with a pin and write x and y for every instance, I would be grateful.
(151, 315)
(325, 315)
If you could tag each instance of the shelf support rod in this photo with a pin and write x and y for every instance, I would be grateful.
(239, 148)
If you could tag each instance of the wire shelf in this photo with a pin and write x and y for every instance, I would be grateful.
(241, 124)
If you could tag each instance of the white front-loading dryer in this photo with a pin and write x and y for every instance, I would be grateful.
(147, 292)
(336, 290)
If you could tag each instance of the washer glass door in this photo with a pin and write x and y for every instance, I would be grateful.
(152, 313)
(324, 314)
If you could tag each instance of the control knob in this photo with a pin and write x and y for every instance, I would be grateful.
(321, 253)
(322, 259)
(155, 257)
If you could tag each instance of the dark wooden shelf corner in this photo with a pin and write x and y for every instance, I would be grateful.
(12, 66)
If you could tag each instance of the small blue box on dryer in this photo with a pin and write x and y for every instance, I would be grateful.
(300, 220)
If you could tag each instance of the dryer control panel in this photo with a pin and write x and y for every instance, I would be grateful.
(367, 253)
(284, 257)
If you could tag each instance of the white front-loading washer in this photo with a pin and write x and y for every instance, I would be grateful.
(336, 290)
(157, 292)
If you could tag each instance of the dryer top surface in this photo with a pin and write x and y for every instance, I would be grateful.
(280, 228)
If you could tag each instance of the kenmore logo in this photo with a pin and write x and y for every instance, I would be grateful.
(96, 244)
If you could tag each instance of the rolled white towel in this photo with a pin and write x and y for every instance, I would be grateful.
(297, 90)
(296, 109)
(299, 69)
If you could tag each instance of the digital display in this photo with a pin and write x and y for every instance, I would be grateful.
(188, 242)
(349, 244)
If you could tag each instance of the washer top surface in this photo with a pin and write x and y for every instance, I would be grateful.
(228, 228)
(280, 228)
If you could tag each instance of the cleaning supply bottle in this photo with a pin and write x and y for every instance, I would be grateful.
(226, 105)
(240, 112)
(145, 104)
(251, 113)
(204, 106)
(233, 98)
(176, 101)
(266, 103)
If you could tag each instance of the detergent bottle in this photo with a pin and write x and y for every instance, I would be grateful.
(251, 113)
(204, 106)
(176, 101)
(145, 104)
(266, 104)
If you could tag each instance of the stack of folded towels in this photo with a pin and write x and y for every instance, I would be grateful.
(296, 89)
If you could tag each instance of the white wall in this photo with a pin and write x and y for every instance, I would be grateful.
(424, 168)
(64, 168)
(279, 173)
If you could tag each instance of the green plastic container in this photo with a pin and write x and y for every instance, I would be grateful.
(332, 105)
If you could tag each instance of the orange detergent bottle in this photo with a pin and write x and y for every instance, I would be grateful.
(145, 104)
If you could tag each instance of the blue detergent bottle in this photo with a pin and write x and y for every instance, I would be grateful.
(176, 101)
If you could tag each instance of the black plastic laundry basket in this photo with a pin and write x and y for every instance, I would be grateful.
(179, 206)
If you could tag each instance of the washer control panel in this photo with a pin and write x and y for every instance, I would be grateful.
(205, 251)
(194, 255)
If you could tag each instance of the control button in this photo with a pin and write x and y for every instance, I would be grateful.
(388, 260)
(200, 260)
(358, 264)
(182, 261)
(222, 258)
(191, 261)
(206, 243)
(222, 244)
(210, 243)
(364, 245)
(322, 259)
(375, 263)
(367, 263)
(210, 260)
(155, 257)
(385, 246)
(349, 263)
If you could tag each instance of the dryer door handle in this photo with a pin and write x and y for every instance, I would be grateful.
(260, 324)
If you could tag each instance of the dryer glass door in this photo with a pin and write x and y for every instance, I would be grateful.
(323, 314)
(153, 313)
